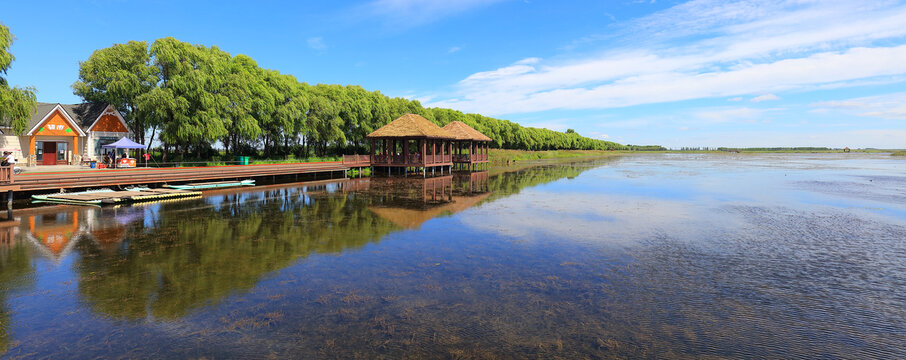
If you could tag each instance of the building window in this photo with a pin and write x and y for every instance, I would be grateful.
(61, 151)
(98, 150)
(39, 150)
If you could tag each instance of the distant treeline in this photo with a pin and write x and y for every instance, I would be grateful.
(645, 148)
(194, 99)
(804, 148)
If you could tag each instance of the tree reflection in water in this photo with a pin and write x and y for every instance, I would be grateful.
(168, 259)
(16, 273)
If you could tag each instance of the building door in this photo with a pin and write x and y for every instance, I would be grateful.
(50, 152)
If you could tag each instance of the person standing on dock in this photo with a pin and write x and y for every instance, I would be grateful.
(147, 157)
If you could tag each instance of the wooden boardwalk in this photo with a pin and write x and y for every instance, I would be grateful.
(113, 197)
(112, 177)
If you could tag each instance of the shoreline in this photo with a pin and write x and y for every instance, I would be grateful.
(500, 157)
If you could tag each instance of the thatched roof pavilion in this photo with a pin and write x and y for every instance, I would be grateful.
(410, 126)
(465, 132)
(471, 145)
(411, 141)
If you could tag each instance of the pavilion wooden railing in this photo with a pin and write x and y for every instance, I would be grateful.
(6, 175)
(462, 158)
(411, 159)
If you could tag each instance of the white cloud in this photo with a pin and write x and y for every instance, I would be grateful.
(454, 49)
(765, 97)
(738, 98)
(528, 61)
(741, 48)
(316, 43)
(486, 95)
(889, 106)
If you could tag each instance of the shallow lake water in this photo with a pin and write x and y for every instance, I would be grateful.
(651, 256)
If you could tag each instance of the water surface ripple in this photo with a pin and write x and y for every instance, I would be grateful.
(644, 256)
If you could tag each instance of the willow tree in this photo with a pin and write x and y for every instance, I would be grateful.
(289, 119)
(119, 75)
(324, 122)
(189, 93)
(16, 104)
(248, 99)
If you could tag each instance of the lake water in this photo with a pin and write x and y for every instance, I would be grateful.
(657, 256)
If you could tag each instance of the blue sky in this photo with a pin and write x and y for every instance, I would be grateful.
(675, 73)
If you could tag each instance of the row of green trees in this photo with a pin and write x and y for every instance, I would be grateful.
(16, 104)
(192, 97)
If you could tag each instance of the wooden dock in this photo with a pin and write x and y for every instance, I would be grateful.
(36, 181)
(116, 197)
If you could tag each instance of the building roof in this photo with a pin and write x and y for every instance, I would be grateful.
(411, 126)
(461, 131)
(83, 114)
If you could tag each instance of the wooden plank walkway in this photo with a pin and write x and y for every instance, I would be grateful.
(112, 177)
(114, 197)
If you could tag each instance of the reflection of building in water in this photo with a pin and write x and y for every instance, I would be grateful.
(55, 230)
(409, 202)
(470, 183)
(9, 228)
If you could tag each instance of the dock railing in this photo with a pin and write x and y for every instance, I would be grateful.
(357, 160)
(7, 175)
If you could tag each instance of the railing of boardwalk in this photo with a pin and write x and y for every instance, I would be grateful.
(6, 175)
(356, 160)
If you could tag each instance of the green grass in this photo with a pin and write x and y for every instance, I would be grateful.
(355, 172)
(503, 157)
(292, 159)
(899, 153)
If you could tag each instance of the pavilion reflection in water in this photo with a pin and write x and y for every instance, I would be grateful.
(409, 202)
(163, 260)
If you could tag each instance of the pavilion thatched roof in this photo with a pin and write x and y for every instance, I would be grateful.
(462, 131)
(411, 126)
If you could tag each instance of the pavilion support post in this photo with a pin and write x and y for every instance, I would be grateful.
(405, 152)
(424, 151)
